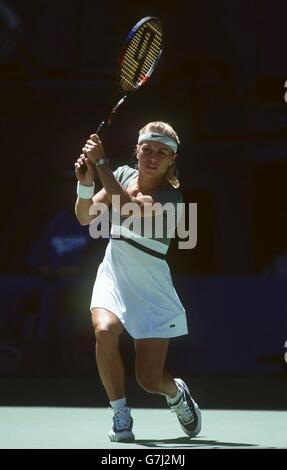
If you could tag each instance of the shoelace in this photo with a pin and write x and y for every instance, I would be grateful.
(122, 419)
(183, 410)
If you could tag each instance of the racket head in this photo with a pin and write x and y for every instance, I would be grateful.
(140, 54)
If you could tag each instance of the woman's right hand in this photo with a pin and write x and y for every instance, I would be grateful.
(85, 170)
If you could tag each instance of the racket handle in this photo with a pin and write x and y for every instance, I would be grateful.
(102, 129)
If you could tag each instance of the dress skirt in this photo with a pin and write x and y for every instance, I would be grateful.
(137, 287)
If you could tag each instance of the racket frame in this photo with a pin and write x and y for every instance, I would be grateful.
(103, 127)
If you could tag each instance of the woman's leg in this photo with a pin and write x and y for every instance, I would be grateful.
(151, 375)
(150, 363)
(110, 365)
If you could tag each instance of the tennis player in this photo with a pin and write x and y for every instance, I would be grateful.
(133, 288)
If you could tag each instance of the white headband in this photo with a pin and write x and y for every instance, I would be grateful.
(164, 139)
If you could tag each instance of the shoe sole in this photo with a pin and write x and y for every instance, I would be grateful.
(125, 436)
(196, 411)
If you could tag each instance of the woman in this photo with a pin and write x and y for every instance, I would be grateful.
(133, 288)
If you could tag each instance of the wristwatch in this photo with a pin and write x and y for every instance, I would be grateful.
(102, 161)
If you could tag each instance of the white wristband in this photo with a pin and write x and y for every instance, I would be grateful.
(84, 191)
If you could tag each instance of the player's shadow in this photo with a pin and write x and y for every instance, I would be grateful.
(188, 443)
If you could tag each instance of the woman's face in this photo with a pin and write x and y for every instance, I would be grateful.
(154, 157)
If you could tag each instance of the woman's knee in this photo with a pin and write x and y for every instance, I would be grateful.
(103, 334)
(106, 325)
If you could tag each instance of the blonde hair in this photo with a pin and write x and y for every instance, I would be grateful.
(172, 174)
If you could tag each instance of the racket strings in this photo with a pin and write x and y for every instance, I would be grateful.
(155, 45)
(137, 38)
(128, 75)
(130, 67)
(152, 52)
(149, 61)
(141, 56)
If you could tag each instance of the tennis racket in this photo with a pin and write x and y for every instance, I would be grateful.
(140, 54)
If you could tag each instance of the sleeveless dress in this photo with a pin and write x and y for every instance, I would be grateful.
(134, 280)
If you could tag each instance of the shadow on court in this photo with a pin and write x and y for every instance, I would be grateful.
(188, 443)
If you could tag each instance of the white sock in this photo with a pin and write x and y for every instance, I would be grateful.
(117, 405)
(174, 400)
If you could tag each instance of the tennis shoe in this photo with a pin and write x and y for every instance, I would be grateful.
(187, 411)
(122, 426)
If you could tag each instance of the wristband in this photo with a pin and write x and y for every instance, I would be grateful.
(84, 191)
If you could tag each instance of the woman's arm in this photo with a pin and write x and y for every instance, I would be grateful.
(85, 174)
(83, 207)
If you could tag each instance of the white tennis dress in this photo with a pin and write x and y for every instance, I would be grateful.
(136, 285)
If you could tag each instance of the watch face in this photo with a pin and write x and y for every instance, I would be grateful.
(101, 161)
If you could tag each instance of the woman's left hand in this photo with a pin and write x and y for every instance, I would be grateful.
(93, 148)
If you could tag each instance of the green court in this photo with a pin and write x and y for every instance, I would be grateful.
(73, 413)
(87, 428)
